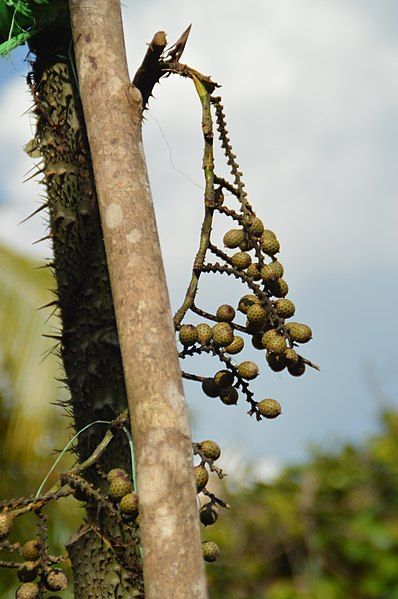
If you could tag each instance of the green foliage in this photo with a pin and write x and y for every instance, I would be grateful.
(324, 530)
(20, 20)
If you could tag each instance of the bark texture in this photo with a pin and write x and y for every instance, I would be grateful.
(172, 557)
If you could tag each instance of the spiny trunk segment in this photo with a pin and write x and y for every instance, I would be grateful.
(89, 344)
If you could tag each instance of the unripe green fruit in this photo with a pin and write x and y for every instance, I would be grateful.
(201, 477)
(256, 226)
(204, 333)
(272, 272)
(299, 332)
(223, 378)
(225, 313)
(211, 551)
(270, 245)
(296, 369)
(56, 580)
(129, 504)
(256, 313)
(248, 370)
(29, 590)
(233, 238)
(208, 515)
(223, 334)
(116, 473)
(236, 346)
(229, 396)
(6, 520)
(31, 550)
(284, 308)
(209, 388)
(119, 487)
(279, 288)
(254, 272)
(241, 260)
(188, 335)
(27, 571)
(277, 363)
(210, 450)
(291, 356)
(246, 301)
(270, 408)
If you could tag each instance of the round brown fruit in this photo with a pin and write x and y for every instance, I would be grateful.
(208, 515)
(270, 408)
(188, 335)
(285, 308)
(246, 301)
(129, 504)
(299, 332)
(204, 333)
(210, 449)
(223, 334)
(201, 477)
(233, 238)
(248, 370)
(241, 260)
(229, 396)
(211, 551)
(209, 388)
(223, 378)
(236, 346)
(225, 313)
(31, 550)
(119, 487)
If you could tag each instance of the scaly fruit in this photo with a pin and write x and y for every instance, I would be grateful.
(236, 346)
(246, 301)
(291, 356)
(188, 335)
(27, 571)
(31, 550)
(279, 288)
(268, 233)
(253, 271)
(256, 226)
(229, 396)
(277, 363)
(268, 335)
(272, 272)
(223, 378)
(233, 238)
(119, 487)
(297, 369)
(274, 342)
(210, 450)
(209, 388)
(29, 590)
(211, 551)
(285, 308)
(115, 473)
(225, 313)
(248, 370)
(56, 580)
(208, 515)
(6, 520)
(270, 245)
(299, 332)
(256, 314)
(257, 341)
(223, 334)
(129, 504)
(201, 477)
(241, 260)
(270, 408)
(204, 333)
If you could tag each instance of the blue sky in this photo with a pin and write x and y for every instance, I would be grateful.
(311, 96)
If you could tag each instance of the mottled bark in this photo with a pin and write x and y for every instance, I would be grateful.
(173, 565)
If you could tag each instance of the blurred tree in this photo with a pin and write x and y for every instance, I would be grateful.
(324, 530)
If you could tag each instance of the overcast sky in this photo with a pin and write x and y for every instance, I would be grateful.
(311, 96)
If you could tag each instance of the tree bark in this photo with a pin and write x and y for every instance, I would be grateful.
(169, 525)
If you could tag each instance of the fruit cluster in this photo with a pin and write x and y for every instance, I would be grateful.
(120, 491)
(209, 452)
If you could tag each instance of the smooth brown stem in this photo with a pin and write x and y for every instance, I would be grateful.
(172, 556)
